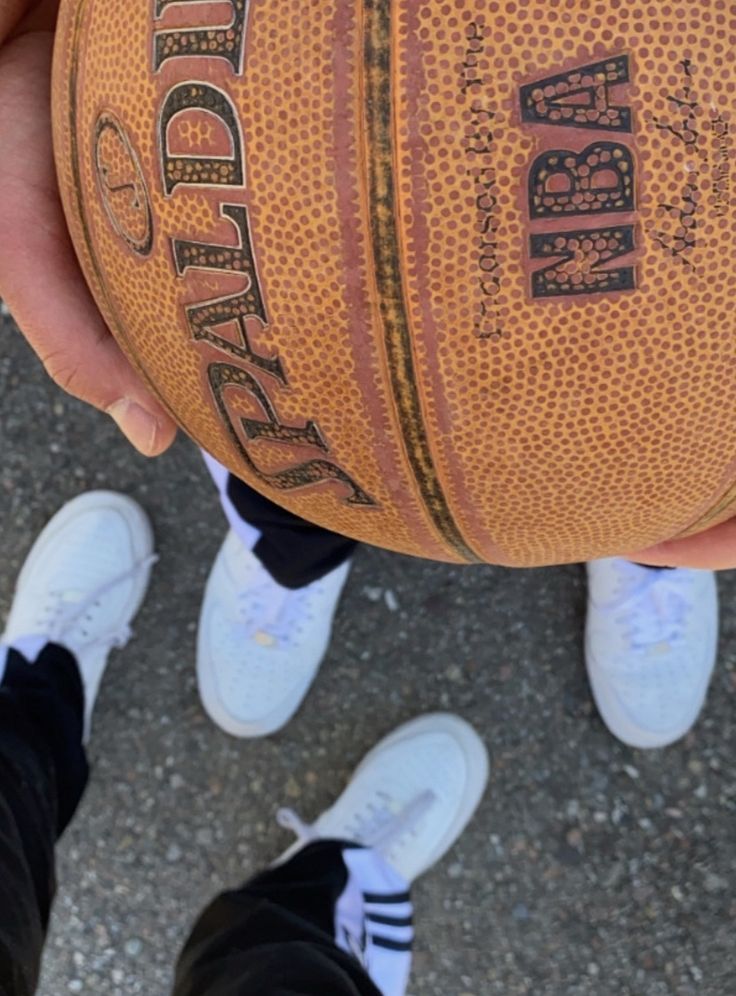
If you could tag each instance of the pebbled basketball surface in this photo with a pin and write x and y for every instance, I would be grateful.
(455, 278)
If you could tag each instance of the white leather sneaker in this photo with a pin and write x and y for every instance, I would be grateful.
(407, 803)
(83, 582)
(410, 798)
(260, 644)
(650, 648)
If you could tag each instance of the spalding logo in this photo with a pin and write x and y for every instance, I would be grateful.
(122, 186)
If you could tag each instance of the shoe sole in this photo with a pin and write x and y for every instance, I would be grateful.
(140, 527)
(477, 766)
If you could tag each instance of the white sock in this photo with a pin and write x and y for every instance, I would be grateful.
(373, 920)
(247, 534)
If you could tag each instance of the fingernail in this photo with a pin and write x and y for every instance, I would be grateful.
(136, 424)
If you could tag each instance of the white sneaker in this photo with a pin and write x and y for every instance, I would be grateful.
(83, 582)
(407, 803)
(411, 796)
(260, 644)
(650, 648)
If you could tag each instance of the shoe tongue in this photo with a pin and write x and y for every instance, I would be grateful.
(635, 580)
(266, 612)
(630, 573)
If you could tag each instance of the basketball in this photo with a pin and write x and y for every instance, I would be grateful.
(452, 277)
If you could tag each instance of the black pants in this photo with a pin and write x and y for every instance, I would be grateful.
(293, 551)
(273, 937)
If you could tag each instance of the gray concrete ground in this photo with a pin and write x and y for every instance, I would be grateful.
(590, 868)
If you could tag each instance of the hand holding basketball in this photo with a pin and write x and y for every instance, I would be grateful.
(559, 406)
(39, 276)
(713, 550)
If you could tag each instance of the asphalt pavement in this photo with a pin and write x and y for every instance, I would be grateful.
(589, 869)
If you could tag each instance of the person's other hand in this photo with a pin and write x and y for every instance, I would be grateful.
(713, 550)
(40, 279)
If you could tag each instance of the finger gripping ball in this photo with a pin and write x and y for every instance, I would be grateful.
(455, 277)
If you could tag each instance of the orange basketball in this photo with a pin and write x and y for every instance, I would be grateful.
(455, 277)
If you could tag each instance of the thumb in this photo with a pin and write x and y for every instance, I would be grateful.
(40, 278)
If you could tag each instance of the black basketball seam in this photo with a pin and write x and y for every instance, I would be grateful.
(378, 57)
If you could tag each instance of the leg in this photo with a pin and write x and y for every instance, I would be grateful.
(276, 935)
(267, 612)
(294, 552)
(43, 773)
(651, 639)
(76, 596)
(333, 917)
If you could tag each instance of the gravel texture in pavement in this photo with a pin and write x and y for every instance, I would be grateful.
(590, 869)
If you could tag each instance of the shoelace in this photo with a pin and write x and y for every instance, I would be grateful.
(66, 620)
(656, 605)
(268, 610)
(381, 828)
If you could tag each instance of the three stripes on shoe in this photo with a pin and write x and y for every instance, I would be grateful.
(374, 919)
